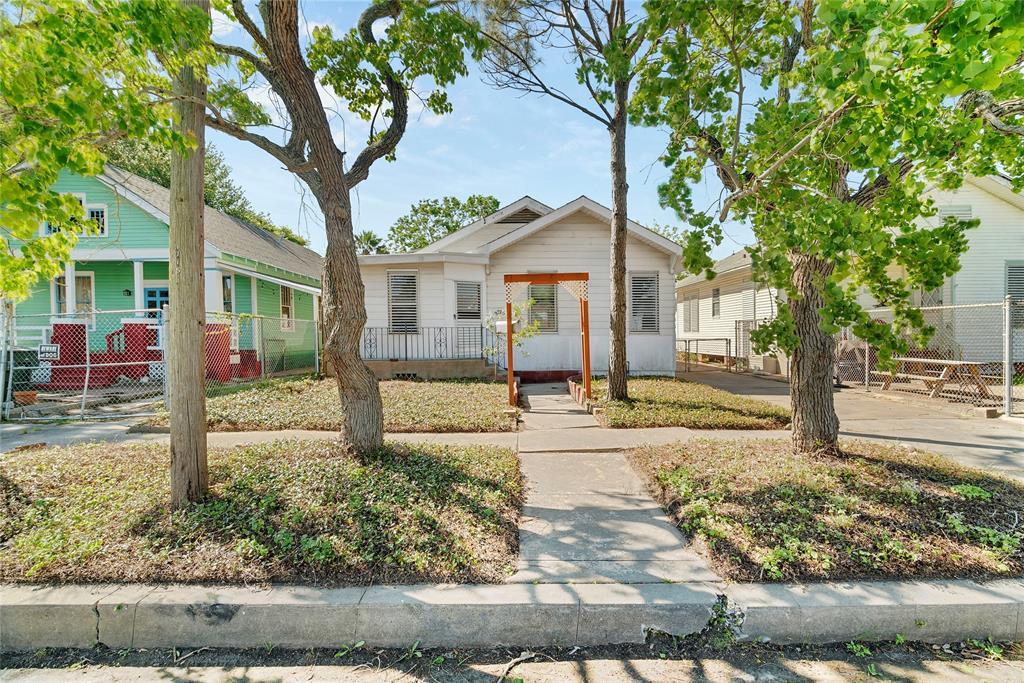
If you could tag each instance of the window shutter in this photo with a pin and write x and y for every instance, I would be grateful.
(544, 310)
(643, 302)
(1015, 281)
(961, 212)
(467, 301)
(403, 316)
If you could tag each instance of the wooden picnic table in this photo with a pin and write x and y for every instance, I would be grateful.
(966, 372)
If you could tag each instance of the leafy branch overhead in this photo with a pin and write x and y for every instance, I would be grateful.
(826, 122)
(431, 219)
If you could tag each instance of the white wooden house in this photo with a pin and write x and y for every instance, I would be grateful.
(992, 268)
(434, 304)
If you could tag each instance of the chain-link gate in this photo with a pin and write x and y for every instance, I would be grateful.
(113, 363)
(975, 357)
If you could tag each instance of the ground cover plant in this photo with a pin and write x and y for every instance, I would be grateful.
(289, 511)
(311, 403)
(667, 402)
(765, 513)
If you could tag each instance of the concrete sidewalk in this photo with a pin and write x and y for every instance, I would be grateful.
(988, 444)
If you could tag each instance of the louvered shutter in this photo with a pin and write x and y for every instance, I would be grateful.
(403, 313)
(544, 310)
(961, 212)
(467, 301)
(1015, 281)
(643, 302)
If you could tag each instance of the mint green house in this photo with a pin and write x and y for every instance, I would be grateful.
(262, 289)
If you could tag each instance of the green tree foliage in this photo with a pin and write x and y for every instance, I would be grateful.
(431, 219)
(826, 121)
(369, 242)
(74, 75)
(153, 162)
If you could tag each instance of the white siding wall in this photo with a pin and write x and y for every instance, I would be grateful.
(481, 237)
(580, 243)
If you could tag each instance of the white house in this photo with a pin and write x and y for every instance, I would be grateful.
(992, 268)
(434, 304)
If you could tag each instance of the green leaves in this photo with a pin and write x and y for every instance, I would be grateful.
(74, 75)
(431, 219)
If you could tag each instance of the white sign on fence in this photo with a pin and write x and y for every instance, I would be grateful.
(49, 352)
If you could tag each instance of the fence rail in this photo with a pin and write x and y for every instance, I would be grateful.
(429, 343)
(112, 363)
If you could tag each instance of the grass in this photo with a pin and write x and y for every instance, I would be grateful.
(310, 403)
(289, 511)
(874, 511)
(667, 402)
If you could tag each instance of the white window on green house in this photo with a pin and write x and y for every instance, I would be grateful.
(643, 302)
(403, 302)
(544, 310)
(227, 289)
(716, 302)
(287, 309)
(97, 215)
(52, 229)
(467, 301)
(85, 293)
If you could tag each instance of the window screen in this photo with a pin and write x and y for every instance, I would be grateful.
(467, 301)
(643, 302)
(403, 316)
(287, 309)
(545, 307)
(716, 302)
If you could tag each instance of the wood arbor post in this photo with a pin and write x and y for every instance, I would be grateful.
(576, 284)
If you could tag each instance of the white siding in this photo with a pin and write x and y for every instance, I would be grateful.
(581, 243)
(488, 233)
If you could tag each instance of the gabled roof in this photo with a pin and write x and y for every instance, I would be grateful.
(226, 233)
(998, 186)
(522, 210)
(734, 261)
(586, 205)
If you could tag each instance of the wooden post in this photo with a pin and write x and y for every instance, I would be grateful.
(185, 348)
(585, 325)
(508, 353)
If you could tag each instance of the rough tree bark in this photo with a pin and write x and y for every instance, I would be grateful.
(186, 373)
(617, 362)
(344, 310)
(815, 424)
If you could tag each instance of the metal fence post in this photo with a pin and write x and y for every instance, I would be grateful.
(88, 369)
(164, 315)
(5, 342)
(867, 366)
(1007, 356)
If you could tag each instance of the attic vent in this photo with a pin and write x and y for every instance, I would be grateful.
(959, 212)
(521, 216)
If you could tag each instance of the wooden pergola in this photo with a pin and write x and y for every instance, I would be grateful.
(576, 284)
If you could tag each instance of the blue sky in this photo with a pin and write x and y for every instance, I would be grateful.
(494, 142)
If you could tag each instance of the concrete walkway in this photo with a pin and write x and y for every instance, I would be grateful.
(988, 444)
(588, 517)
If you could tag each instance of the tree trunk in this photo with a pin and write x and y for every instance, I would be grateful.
(617, 388)
(815, 424)
(185, 348)
(362, 426)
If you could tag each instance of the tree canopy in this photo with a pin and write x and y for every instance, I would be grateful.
(152, 161)
(429, 220)
(826, 122)
(74, 76)
(369, 242)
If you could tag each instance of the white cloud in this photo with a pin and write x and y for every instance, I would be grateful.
(223, 24)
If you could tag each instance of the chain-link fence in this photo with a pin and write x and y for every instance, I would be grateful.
(111, 363)
(975, 356)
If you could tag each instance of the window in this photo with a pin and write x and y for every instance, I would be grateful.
(1015, 288)
(97, 213)
(716, 302)
(545, 308)
(691, 313)
(51, 229)
(403, 298)
(467, 301)
(84, 294)
(643, 302)
(228, 298)
(287, 309)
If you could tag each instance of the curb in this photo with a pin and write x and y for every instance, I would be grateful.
(138, 616)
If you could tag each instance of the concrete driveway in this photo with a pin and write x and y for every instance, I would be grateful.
(990, 444)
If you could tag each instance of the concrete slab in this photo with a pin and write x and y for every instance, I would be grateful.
(549, 406)
(468, 616)
(60, 616)
(580, 473)
(626, 613)
(689, 569)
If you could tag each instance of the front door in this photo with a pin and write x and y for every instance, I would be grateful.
(156, 299)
